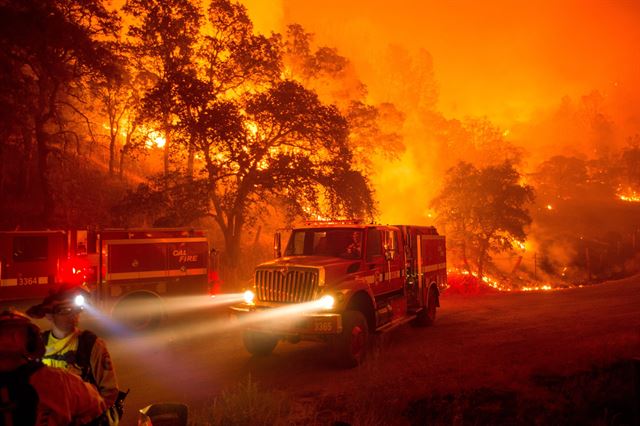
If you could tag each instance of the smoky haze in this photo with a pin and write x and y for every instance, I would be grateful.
(544, 73)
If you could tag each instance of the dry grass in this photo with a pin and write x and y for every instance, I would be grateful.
(602, 395)
(244, 405)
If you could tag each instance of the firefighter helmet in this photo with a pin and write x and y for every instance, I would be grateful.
(62, 294)
(19, 336)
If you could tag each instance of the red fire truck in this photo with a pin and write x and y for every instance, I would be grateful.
(121, 267)
(344, 280)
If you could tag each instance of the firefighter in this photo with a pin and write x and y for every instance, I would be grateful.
(75, 350)
(354, 249)
(32, 393)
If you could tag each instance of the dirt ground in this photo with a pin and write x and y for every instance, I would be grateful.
(498, 341)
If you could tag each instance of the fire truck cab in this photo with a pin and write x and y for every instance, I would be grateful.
(339, 282)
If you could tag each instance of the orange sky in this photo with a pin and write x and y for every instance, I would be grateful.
(511, 61)
(504, 59)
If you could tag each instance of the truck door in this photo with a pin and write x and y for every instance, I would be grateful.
(375, 260)
(394, 265)
(383, 256)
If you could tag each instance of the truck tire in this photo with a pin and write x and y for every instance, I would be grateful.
(259, 344)
(351, 346)
(427, 316)
(139, 312)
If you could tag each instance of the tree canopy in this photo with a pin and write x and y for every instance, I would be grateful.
(48, 52)
(254, 136)
(484, 210)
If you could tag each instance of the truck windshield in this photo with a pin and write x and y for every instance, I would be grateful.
(337, 242)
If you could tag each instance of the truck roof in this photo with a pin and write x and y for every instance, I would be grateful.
(358, 224)
(141, 233)
(33, 232)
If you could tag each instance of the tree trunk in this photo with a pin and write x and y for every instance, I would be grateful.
(2, 171)
(465, 260)
(112, 152)
(43, 172)
(232, 251)
(26, 168)
(481, 259)
(126, 148)
(167, 144)
(123, 155)
(190, 160)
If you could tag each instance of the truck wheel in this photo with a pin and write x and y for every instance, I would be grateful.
(259, 344)
(139, 312)
(427, 316)
(351, 346)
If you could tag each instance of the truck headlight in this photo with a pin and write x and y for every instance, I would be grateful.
(79, 300)
(327, 302)
(248, 297)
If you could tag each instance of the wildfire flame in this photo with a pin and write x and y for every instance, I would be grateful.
(497, 285)
(155, 139)
(629, 196)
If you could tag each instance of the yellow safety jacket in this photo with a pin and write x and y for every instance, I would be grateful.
(63, 353)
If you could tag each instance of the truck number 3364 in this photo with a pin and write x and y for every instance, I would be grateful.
(27, 280)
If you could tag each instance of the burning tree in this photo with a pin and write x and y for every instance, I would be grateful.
(255, 135)
(484, 210)
(629, 189)
(162, 42)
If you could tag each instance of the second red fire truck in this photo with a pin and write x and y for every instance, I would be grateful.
(339, 282)
(123, 268)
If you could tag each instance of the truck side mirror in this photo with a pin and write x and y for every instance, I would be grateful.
(277, 245)
(389, 245)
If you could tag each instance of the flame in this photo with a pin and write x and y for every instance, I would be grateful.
(491, 282)
(549, 207)
(314, 215)
(123, 131)
(628, 195)
(497, 285)
(252, 127)
(544, 287)
(155, 139)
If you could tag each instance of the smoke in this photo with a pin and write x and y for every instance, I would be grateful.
(267, 16)
(511, 62)
(545, 78)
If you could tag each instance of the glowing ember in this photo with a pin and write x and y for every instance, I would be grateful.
(549, 207)
(632, 197)
(544, 287)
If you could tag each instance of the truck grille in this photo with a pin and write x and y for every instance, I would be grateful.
(288, 286)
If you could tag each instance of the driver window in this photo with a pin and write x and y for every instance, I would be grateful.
(374, 244)
(320, 245)
(296, 244)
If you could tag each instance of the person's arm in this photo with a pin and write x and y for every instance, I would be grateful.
(63, 398)
(104, 372)
(88, 402)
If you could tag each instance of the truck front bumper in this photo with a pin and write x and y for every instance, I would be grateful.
(270, 320)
